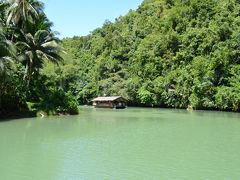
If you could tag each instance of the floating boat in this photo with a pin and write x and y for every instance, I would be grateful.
(117, 102)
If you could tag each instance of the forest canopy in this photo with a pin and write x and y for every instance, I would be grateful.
(167, 53)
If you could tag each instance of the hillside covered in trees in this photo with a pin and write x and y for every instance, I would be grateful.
(167, 53)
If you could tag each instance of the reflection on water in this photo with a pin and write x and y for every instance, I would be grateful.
(133, 143)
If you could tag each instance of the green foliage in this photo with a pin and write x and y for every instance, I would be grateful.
(228, 97)
(56, 101)
(166, 53)
(34, 49)
(26, 43)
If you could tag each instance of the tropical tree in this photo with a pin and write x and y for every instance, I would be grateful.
(35, 48)
(41, 23)
(26, 42)
(2, 12)
(6, 51)
(21, 11)
(7, 55)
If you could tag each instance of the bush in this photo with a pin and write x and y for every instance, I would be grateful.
(58, 102)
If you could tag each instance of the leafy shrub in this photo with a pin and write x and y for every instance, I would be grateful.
(58, 102)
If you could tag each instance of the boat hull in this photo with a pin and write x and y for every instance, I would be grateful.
(111, 107)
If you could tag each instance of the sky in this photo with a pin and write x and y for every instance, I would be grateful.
(80, 17)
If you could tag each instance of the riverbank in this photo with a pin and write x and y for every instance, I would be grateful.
(30, 114)
(7, 116)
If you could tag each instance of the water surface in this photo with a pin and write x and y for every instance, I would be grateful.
(134, 143)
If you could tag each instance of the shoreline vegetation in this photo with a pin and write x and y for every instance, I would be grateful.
(170, 54)
(26, 43)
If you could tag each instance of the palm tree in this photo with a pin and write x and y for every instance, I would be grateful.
(6, 51)
(35, 48)
(2, 12)
(6, 47)
(41, 23)
(21, 11)
(32, 35)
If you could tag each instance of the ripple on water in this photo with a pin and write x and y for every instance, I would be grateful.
(131, 144)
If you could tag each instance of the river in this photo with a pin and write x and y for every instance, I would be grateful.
(129, 144)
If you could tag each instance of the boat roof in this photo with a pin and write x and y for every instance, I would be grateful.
(108, 98)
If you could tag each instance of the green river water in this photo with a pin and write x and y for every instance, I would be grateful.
(129, 144)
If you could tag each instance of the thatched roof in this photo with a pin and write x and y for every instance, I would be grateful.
(109, 98)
